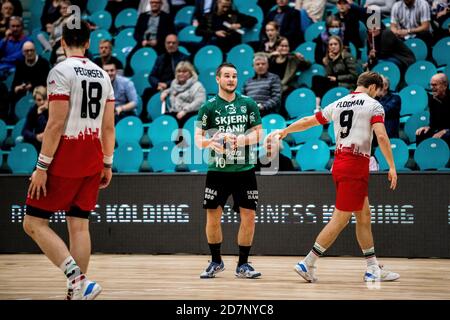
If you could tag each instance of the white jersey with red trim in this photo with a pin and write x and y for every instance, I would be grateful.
(353, 116)
(87, 88)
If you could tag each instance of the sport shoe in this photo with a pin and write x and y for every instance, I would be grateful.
(305, 271)
(377, 273)
(247, 271)
(88, 290)
(212, 270)
(69, 294)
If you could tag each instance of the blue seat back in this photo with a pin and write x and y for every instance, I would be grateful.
(22, 158)
(432, 153)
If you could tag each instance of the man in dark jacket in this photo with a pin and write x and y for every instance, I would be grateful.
(392, 104)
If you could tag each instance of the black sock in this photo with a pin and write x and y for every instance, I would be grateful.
(215, 252)
(244, 252)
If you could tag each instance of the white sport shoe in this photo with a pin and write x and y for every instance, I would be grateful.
(305, 271)
(87, 290)
(247, 271)
(377, 273)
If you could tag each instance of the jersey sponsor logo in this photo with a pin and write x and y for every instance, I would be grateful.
(252, 117)
(218, 112)
(244, 109)
(204, 120)
(231, 109)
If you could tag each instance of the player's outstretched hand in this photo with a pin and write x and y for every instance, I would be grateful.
(38, 180)
(105, 178)
(392, 177)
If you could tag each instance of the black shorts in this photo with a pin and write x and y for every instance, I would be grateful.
(220, 185)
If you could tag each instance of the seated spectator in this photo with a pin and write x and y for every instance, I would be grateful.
(6, 12)
(50, 13)
(264, 87)
(410, 19)
(146, 6)
(384, 6)
(223, 26)
(105, 51)
(311, 11)
(340, 67)
(392, 104)
(272, 35)
(351, 15)
(11, 47)
(438, 103)
(125, 95)
(18, 9)
(33, 130)
(285, 65)
(289, 21)
(55, 31)
(30, 73)
(333, 27)
(382, 44)
(440, 12)
(186, 94)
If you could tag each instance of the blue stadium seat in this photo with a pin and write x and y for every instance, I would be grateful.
(1, 158)
(420, 73)
(17, 131)
(418, 47)
(414, 99)
(126, 18)
(252, 34)
(188, 131)
(9, 80)
(129, 129)
(97, 5)
(389, 70)
(22, 158)
(143, 60)
(163, 129)
(128, 157)
(23, 106)
(102, 19)
(208, 79)
(300, 101)
(272, 122)
(416, 121)
(332, 95)
(140, 80)
(163, 158)
(400, 152)
(307, 75)
(3, 132)
(196, 159)
(313, 155)
(432, 154)
(239, 4)
(307, 50)
(139, 106)
(187, 34)
(441, 51)
(314, 30)
(362, 31)
(252, 9)
(96, 37)
(125, 39)
(154, 107)
(184, 50)
(208, 57)
(241, 56)
(184, 17)
(446, 24)
(244, 73)
(387, 22)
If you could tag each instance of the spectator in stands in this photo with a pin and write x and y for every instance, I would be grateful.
(105, 51)
(186, 94)
(163, 71)
(6, 12)
(340, 66)
(392, 104)
(382, 44)
(11, 46)
(333, 27)
(440, 12)
(351, 15)
(146, 6)
(286, 64)
(152, 28)
(50, 13)
(289, 21)
(223, 26)
(384, 6)
(33, 130)
(439, 105)
(264, 87)
(125, 95)
(55, 31)
(272, 35)
(411, 18)
(30, 73)
(202, 7)
(311, 11)
(18, 10)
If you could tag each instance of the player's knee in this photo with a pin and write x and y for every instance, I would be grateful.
(28, 226)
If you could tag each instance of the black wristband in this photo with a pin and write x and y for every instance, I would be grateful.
(107, 165)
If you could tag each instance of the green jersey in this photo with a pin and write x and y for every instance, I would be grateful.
(235, 117)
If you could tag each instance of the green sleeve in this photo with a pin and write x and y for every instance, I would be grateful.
(203, 117)
(254, 118)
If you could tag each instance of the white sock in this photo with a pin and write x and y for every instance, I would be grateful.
(369, 254)
(314, 254)
(71, 270)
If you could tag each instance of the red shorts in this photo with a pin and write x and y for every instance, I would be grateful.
(351, 178)
(64, 193)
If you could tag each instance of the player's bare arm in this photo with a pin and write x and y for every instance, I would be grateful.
(57, 115)
(108, 140)
(253, 136)
(202, 142)
(385, 146)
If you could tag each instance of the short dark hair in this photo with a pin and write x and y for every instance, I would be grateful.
(224, 65)
(109, 61)
(368, 78)
(76, 37)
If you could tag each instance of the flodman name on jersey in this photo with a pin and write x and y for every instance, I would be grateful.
(92, 73)
(349, 104)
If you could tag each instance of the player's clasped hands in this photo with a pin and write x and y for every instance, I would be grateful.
(220, 139)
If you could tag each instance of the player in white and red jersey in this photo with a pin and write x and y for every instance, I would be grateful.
(355, 116)
(75, 160)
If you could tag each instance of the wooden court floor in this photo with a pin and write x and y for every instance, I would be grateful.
(173, 277)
